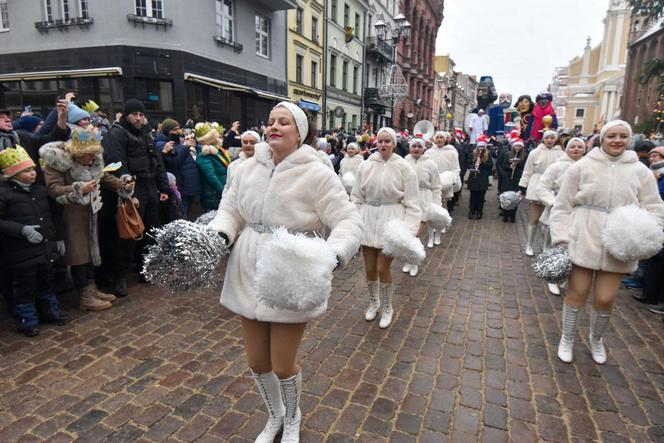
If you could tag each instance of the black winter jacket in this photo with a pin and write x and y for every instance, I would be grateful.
(479, 181)
(18, 208)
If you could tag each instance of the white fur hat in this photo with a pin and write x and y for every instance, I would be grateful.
(611, 124)
(391, 132)
(251, 133)
(550, 132)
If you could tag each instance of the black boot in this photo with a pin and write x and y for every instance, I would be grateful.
(27, 320)
(118, 287)
(49, 310)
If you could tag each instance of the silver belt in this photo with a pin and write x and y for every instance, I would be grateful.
(269, 229)
(377, 204)
(597, 208)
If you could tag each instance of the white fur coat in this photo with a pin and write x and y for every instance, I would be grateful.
(549, 184)
(429, 183)
(594, 182)
(446, 159)
(300, 194)
(232, 171)
(538, 160)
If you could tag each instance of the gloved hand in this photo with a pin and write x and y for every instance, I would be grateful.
(31, 234)
(61, 247)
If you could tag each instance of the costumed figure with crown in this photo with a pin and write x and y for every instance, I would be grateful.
(544, 117)
(524, 109)
(213, 161)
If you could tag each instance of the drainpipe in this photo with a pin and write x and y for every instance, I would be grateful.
(325, 51)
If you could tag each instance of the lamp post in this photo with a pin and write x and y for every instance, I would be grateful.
(400, 32)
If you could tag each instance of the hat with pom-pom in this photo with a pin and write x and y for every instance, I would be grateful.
(207, 133)
(481, 140)
(13, 161)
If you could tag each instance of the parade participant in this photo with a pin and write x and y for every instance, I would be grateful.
(538, 160)
(548, 187)
(481, 168)
(430, 186)
(73, 172)
(385, 188)
(512, 169)
(498, 115)
(249, 140)
(446, 158)
(322, 147)
(524, 107)
(283, 185)
(607, 179)
(479, 123)
(543, 108)
(348, 166)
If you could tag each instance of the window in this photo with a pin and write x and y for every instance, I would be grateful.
(225, 13)
(262, 36)
(314, 74)
(333, 10)
(314, 29)
(358, 26)
(150, 8)
(4, 16)
(299, 61)
(578, 128)
(580, 112)
(48, 11)
(299, 20)
(356, 79)
(65, 10)
(344, 75)
(156, 95)
(333, 70)
(354, 122)
(83, 8)
(346, 15)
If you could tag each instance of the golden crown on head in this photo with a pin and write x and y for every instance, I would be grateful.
(84, 141)
(206, 132)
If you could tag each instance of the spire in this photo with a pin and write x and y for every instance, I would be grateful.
(587, 43)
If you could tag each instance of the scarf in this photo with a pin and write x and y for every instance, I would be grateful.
(8, 140)
(538, 114)
(658, 169)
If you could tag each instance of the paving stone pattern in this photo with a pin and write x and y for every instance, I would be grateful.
(471, 356)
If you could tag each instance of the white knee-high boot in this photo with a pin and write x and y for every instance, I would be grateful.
(386, 295)
(531, 229)
(270, 390)
(374, 301)
(599, 321)
(570, 322)
(291, 388)
(430, 235)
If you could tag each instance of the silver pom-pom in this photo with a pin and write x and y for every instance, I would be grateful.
(206, 217)
(509, 200)
(553, 265)
(185, 256)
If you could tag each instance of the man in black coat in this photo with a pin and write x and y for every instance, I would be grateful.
(129, 144)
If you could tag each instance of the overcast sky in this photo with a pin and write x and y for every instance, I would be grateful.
(518, 42)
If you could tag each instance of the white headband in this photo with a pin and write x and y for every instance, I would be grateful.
(575, 139)
(549, 132)
(441, 133)
(391, 132)
(611, 124)
(254, 134)
(300, 119)
(416, 140)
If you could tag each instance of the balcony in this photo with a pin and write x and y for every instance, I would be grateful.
(278, 5)
(144, 20)
(61, 25)
(380, 49)
(372, 98)
(223, 41)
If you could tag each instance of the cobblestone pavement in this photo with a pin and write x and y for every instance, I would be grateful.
(471, 356)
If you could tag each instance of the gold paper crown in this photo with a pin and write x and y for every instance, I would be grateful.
(84, 141)
(90, 106)
(15, 160)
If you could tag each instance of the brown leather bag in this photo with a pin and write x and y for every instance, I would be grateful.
(128, 219)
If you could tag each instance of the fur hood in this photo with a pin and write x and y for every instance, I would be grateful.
(55, 157)
(376, 157)
(599, 155)
(302, 155)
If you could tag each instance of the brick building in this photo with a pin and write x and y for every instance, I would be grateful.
(416, 59)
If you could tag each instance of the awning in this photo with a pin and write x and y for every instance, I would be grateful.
(311, 106)
(64, 73)
(270, 95)
(215, 83)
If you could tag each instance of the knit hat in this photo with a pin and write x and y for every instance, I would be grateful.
(75, 114)
(481, 140)
(168, 125)
(27, 123)
(171, 178)
(322, 143)
(133, 105)
(90, 106)
(389, 131)
(13, 161)
(253, 134)
(83, 142)
(575, 139)
(206, 134)
(549, 132)
(611, 124)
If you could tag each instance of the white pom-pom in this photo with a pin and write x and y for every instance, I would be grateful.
(457, 183)
(509, 200)
(632, 233)
(400, 243)
(439, 217)
(348, 180)
(294, 272)
(447, 179)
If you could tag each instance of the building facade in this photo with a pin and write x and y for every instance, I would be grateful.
(305, 56)
(558, 89)
(223, 60)
(344, 40)
(416, 58)
(595, 79)
(464, 99)
(447, 82)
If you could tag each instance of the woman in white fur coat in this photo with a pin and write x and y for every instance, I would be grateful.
(538, 160)
(446, 158)
(430, 191)
(609, 177)
(548, 187)
(349, 164)
(249, 139)
(283, 184)
(321, 151)
(385, 188)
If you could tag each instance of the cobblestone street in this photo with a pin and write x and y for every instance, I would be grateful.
(471, 356)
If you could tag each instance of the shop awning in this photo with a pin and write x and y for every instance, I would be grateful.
(270, 95)
(215, 83)
(311, 106)
(64, 73)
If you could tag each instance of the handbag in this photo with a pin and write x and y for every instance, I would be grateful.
(128, 219)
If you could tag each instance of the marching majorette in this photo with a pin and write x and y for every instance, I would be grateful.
(321, 146)
(430, 190)
(284, 185)
(548, 187)
(349, 164)
(249, 140)
(480, 167)
(512, 169)
(385, 189)
(604, 203)
(538, 160)
(446, 158)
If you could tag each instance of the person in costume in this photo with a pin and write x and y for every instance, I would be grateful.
(511, 168)
(249, 140)
(322, 146)
(385, 188)
(498, 115)
(548, 187)
(349, 164)
(481, 168)
(543, 108)
(431, 188)
(524, 108)
(212, 161)
(538, 160)
(607, 179)
(283, 185)
(446, 158)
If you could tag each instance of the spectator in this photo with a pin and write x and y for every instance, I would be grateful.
(171, 209)
(76, 117)
(232, 136)
(212, 161)
(28, 123)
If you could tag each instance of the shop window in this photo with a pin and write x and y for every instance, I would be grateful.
(156, 95)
